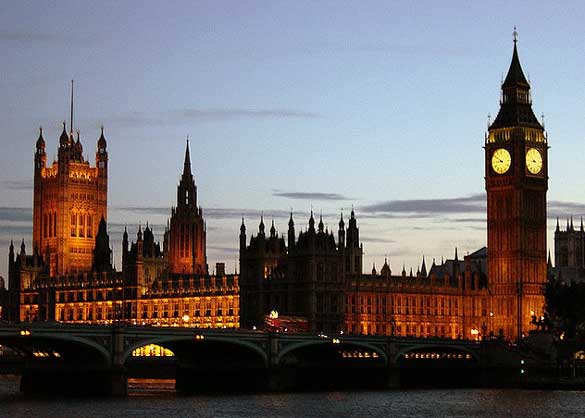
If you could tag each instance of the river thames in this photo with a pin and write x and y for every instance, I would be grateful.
(155, 399)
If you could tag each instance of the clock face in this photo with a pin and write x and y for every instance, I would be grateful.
(501, 160)
(533, 161)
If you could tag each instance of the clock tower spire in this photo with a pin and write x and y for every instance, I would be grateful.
(516, 176)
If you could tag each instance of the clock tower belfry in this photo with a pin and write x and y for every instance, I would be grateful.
(516, 180)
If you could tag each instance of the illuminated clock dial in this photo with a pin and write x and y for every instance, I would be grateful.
(501, 160)
(533, 161)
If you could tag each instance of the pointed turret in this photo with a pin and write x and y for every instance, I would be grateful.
(374, 269)
(64, 138)
(549, 261)
(22, 248)
(40, 141)
(515, 109)
(272, 229)
(11, 251)
(291, 232)
(312, 222)
(102, 143)
(558, 227)
(321, 225)
(423, 270)
(386, 272)
(456, 257)
(261, 227)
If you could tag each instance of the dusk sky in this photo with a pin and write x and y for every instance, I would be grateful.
(379, 105)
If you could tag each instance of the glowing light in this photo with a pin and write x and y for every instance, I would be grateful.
(199, 337)
(335, 341)
(186, 318)
(24, 332)
(474, 331)
(152, 350)
(273, 314)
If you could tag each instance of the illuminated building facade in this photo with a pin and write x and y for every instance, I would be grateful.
(69, 276)
(450, 301)
(305, 279)
(318, 279)
(70, 197)
(516, 181)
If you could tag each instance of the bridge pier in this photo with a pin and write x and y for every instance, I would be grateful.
(393, 377)
(74, 381)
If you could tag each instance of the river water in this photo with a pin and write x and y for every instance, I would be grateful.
(157, 399)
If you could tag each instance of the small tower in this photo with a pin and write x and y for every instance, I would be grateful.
(341, 233)
(291, 233)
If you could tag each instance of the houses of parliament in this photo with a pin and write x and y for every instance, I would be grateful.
(317, 274)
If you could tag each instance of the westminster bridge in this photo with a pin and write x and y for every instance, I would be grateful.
(91, 359)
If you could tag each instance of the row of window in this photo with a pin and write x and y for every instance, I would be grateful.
(82, 196)
(403, 305)
(81, 225)
(406, 330)
(50, 225)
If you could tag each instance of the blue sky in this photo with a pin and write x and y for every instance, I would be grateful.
(379, 105)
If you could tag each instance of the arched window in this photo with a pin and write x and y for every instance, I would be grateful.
(73, 224)
(81, 220)
(55, 225)
(89, 226)
(45, 225)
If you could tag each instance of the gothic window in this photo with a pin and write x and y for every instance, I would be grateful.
(45, 225)
(81, 230)
(89, 226)
(73, 224)
(55, 225)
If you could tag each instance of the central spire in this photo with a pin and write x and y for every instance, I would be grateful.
(187, 164)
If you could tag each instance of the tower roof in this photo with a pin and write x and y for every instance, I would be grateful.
(515, 107)
(515, 74)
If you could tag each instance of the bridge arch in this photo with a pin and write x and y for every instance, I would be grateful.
(439, 347)
(345, 344)
(61, 343)
(167, 342)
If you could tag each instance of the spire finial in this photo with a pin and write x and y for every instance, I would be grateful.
(71, 120)
(515, 34)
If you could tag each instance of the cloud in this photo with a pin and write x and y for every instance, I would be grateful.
(17, 184)
(471, 204)
(378, 240)
(45, 37)
(223, 249)
(560, 209)
(15, 214)
(223, 114)
(309, 195)
(207, 114)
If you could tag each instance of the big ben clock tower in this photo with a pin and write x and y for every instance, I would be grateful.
(516, 180)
